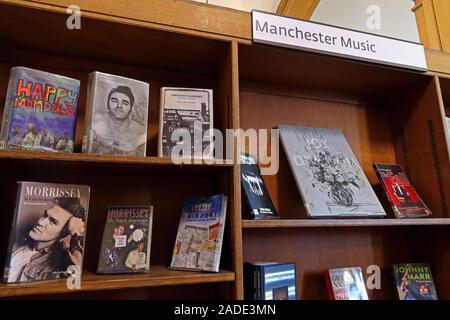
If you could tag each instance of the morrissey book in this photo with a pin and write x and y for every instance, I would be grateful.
(40, 111)
(328, 175)
(186, 123)
(48, 232)
(126, 240)
(116, 115)
(255, 190)
(404, 200)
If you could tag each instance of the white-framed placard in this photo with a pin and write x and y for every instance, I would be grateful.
(298, 34)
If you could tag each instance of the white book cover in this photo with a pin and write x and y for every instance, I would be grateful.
(186, 123)
(116, 115)
(328, 175)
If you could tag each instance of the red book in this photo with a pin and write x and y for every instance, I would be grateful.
(404, 200)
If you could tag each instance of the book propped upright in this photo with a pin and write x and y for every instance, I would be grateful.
(198, 245)
(328, 175)
(346, 284)
(414, 281)
(258, 198)
(402, 196)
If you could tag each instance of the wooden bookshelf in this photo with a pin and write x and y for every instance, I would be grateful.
(158, 276)
(387, 114)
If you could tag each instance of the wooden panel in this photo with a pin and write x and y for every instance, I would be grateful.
(158, 276)
(442, 11)
(438, 61)
(297, 9)
(427, 25)
(180, 15)
(305, 223)
(316, 250)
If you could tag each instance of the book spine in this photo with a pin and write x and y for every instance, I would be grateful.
(86, 146)
(258, 283)
(12, 235)
(223, 214)
(161, 122)
(393, 206)
(329, 286)
(149, 241)
(6, 122)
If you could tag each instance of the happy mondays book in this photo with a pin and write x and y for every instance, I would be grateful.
(402, 196)
(48, 232)
(346, 284)
(40, 111)
(198, 245)
(186, 123)
(254, 189)
(116, 115)
(330, 180)
(414, 281)
(126, 240)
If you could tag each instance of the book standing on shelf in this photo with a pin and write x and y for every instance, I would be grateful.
(346, 284)
(330, 180)
(255, 190)
(116, 115)
(186, 123)
(404, 200)
(40, 111)
(270, 281)
(48, 232)
(414, 281)
(198, 245)
(126, 240)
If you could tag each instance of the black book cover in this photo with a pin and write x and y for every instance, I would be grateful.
(255, 190)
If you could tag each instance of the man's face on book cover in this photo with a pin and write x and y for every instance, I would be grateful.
(50, 225)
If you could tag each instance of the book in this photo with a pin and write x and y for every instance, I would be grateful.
(346, 284)
(402, 196)
(414, 281)
(48, 232)
(198, 245)
(447, 120)
(126, 240)
(255, 191)
(270, 281)
(40, 111)
(116, 115)
(330, 180)
(186, 123)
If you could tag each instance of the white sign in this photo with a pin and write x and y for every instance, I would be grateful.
(310, 36)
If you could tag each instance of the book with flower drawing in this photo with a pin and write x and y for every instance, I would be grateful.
(126, 240)
(328, 175)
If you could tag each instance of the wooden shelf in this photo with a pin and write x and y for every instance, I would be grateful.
(75, 161)
(303, 223)
(158, 276)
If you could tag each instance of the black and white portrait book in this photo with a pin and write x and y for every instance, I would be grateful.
(48, 232)
(186, 123)
(330, 180)
(116, 115)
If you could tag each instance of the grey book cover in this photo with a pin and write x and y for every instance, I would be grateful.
(116, 115)
(328, 175)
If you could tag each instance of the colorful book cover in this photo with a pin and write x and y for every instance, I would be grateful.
(126, 240)
(270, 281)
(116, 115)
(255, 190)
(186, 123)
(198, 245)
(48, 232)
(346, 284)
(414, 281)
(404, 200)
(328, 175)
(40, 111)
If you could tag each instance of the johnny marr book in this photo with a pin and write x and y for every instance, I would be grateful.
(40, 111)
(116, 115)
(126, 240)
(328, 175)
(48, 232)
(255, 190)
(414, 281)
(270, 281)
(402, 196)
(198, 245)
(186, 123)
(346, 284)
